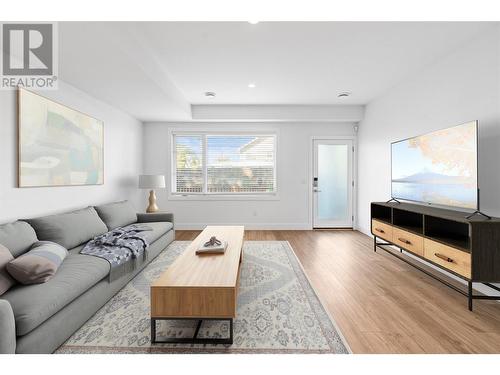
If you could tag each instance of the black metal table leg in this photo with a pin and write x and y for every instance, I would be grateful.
(375, 243)
(198, 326)
(194, 339)
(231, 331)
(153, 330)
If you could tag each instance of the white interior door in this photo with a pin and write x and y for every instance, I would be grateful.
(332, 183)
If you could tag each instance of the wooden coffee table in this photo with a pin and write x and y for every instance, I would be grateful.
(200, 287)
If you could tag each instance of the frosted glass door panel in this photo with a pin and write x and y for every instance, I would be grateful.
(332, 191)
(333, 182)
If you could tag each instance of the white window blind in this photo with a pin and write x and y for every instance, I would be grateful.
(224, 164)
(188, 159)
(240, 164)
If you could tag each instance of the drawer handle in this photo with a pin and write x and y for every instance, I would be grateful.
(444, 257)
(379, 230)
(404, 240)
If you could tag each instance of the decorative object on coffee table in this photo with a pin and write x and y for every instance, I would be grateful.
(212, 242)
(212, 246)
(151, 181)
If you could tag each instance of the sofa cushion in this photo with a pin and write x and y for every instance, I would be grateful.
(39, 264)
(69, 229)
(33, 304)
(17, 237)
(6, 281)
(117, 214)
(159, 229)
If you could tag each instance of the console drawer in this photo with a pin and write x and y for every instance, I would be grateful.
(409, 241)
(448, 257)
(382, 230)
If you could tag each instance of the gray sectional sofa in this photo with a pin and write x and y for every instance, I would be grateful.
(39, 318)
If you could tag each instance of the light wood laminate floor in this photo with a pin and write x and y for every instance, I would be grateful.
(381, 304)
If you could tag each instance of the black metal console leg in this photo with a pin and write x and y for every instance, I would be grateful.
(469, 296)
(375, 243)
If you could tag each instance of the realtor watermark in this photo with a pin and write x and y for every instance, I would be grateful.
(29, 56)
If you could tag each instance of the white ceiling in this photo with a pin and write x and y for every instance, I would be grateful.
(156, 70)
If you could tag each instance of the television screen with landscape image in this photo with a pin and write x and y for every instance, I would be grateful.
(437, 168)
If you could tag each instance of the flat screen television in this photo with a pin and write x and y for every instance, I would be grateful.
(437, 168)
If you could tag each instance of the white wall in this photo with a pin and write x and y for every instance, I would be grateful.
(291, 210)
(122, 160)
(462, 86)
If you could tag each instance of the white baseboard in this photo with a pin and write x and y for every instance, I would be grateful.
(251, 226)
(364, 230)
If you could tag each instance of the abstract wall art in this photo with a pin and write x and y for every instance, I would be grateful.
(58, 146)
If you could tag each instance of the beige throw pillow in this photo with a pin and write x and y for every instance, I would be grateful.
(39, 264)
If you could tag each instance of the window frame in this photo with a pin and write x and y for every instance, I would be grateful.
(205, 195)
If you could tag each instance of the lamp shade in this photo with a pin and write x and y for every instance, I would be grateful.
(151, 181)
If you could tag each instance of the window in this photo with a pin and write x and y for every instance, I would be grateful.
(189, 164)
(223, 164)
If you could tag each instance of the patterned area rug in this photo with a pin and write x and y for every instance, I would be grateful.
(278, 312)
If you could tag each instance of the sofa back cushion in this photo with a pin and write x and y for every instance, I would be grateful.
(17, 237)
(5, 280)
(118, 214)
(69, 229)
(39, 264)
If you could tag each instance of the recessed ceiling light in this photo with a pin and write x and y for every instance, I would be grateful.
(252, 85)
(210, 94)
(253, 22)
(344, 94)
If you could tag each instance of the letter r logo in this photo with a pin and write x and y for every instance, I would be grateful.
(28, 49)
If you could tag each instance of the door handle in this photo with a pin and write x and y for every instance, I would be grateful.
(317, 191)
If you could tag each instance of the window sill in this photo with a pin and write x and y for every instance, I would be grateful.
(223, 197)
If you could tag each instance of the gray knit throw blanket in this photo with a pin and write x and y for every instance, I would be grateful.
(124, 248)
